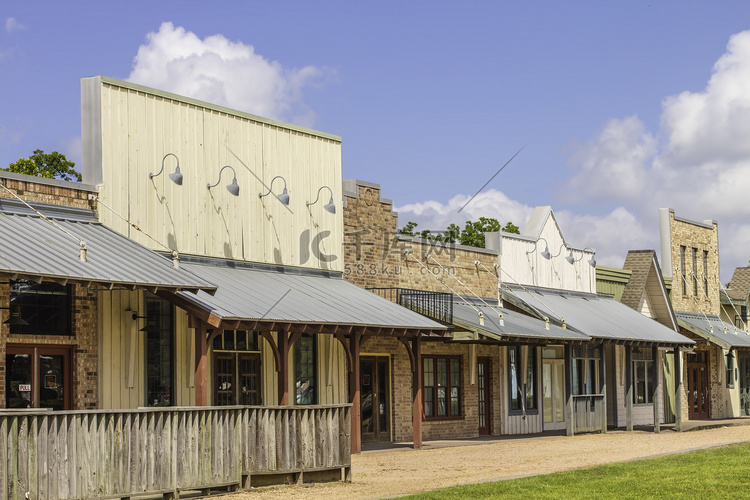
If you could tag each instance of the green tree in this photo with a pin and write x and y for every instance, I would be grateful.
(48, 165)
(471, 235)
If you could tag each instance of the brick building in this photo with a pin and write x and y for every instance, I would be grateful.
(493, 341)
(717, 372)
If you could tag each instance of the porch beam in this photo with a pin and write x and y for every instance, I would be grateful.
(677, 390)
(603, 381)
(201, 363)
(283, 375)
(629, 387)
(569, 424)
(417, 404)
(274, 348)
(655, 395)
(355, 391)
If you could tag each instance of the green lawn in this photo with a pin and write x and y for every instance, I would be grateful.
(716, 473)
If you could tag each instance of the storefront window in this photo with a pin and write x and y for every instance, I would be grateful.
(44, 306)
(305, 369)
(159, 352)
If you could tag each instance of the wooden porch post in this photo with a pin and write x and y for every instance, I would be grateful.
(677, 390)
(355, 392)
(417, 384)
(282, 340)
(629, 387)
(201, 363)
(569, 416)
(655, 395)
(603, 379)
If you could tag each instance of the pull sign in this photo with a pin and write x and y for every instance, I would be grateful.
(24, 387)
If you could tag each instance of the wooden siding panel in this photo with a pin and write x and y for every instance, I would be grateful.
(138, 129)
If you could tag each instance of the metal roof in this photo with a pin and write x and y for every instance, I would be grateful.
(32, 247)
(251, 293)
(713, 329)
(515, 324)
(594, 315)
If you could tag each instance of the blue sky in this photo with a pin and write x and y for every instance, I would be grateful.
(621, 107)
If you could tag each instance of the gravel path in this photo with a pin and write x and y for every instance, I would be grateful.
(389, 473)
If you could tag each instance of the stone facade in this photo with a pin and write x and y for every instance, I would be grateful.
(377, 257)
(82, 342)
(685, 245)
(374, 253)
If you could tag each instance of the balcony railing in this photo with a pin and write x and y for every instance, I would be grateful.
(437, 306)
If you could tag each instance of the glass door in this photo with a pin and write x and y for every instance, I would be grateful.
(553, 392)
(375, 398)
(37, 377)
(744, 360)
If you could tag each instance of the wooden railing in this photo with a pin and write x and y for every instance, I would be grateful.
(589, 413)
(123, 453)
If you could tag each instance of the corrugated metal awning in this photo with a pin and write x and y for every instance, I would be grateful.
(255, 293)
(33, 248)
(597, 316)
(713, 329)
(515, 325)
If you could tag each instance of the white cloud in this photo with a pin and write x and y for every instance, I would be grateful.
(613, 164)
(611, 235)
(11, 25)
(700, 164)
(227, 73)
(435, 215)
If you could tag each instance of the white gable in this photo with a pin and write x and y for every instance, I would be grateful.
(522, 261)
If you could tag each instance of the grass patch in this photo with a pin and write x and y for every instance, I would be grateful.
(716, 473)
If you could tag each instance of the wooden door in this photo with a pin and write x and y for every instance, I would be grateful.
(697, 375)
(375, 398)
(483, 386)
(553, 393)
(38, 377)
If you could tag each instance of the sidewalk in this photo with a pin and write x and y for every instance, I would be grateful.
(401, 470)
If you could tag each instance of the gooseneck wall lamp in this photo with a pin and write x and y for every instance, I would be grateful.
(329, 207)
(151, 326)
(573, 260)
(546, 253)
(283, 197)
(15, 318)
(233, 188)
(176, 176)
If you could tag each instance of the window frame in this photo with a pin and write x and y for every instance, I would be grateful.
(32, 312)
(649, 384)
(695, 272)
(515, 407)
(167, 310)
(449, 386)
(683, 250)
(705, 272)
(298, 375)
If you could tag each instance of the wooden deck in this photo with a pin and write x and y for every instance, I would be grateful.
(124, 453)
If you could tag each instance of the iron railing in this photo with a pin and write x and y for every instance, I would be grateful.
(437, 306)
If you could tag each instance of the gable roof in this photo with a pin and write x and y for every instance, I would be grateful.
(739, 287)
(646, 278)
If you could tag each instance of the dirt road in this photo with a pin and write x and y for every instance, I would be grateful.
(388, 473)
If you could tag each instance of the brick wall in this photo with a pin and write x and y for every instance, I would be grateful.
(401, 410)
(701, 236)
(83, 340)
(374, 253)
(374, 257)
